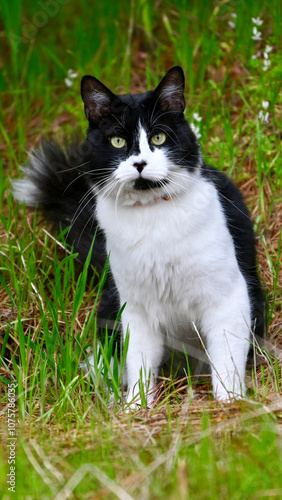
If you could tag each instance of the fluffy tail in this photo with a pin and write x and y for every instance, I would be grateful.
(56, 181)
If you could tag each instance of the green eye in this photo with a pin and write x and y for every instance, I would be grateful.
(158, 139)
(118, 142)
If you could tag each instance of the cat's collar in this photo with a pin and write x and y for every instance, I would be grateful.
(135, 198)
(156, 199)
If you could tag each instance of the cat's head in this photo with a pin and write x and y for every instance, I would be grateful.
(143, 148)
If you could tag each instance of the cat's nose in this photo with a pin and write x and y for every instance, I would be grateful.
(140, 165)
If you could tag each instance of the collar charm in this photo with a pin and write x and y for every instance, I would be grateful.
(165, 197)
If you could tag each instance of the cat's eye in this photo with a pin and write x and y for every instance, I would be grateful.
(158, 139)
(118, 142)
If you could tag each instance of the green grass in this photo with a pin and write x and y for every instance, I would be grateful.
(72, 433)
(207, 462)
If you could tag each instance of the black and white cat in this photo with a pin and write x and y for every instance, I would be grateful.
(180, 240)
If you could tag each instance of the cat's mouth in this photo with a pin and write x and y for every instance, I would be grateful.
(142, 184)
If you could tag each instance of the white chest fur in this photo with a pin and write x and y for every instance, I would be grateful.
(176, 250)
(175, 259)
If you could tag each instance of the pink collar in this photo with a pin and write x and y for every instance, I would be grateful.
(165, 197)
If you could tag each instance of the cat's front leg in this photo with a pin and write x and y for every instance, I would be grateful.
(144, 355)
(227, 333)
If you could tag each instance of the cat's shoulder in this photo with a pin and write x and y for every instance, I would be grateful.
(220, 179)
(229, 194)
(232, 203)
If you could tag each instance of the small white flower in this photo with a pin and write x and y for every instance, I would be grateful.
(70, 77)
(263, 117)
(256, 34)
(256, 56)
(234, 15)
(71, 74)
(268, 49)
(266, 64)
(232, 25)
(68, 82)
(265, 55)
(197, 117)
(265, 104)
(258, 21)
(196, 130)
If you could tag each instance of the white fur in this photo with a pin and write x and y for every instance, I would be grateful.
(174, 265)
(99, 98)
(24, 190)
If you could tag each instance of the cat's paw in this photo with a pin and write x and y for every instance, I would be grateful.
(132, 407)
(228, 397)
(133, 403)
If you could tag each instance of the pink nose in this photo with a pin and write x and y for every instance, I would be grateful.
(140, 165)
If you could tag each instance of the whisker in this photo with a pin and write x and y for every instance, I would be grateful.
(108, 189)
(73, 181)
(117, 119)
(83, 205)
(89, 172)
(80, 208)
(75, 167)
(116, 200)
(167, 130)
(92, 216)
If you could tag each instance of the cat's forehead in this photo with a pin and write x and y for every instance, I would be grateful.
(136, 100)
(133, 109)
(136, 105)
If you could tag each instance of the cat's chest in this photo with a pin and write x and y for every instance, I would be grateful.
(168, 248)
(147, 235)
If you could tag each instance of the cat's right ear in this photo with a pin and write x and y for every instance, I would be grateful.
(97, 98)
(169, 94)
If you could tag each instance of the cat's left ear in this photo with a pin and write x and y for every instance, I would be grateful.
(97, 98)
(169, 94)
